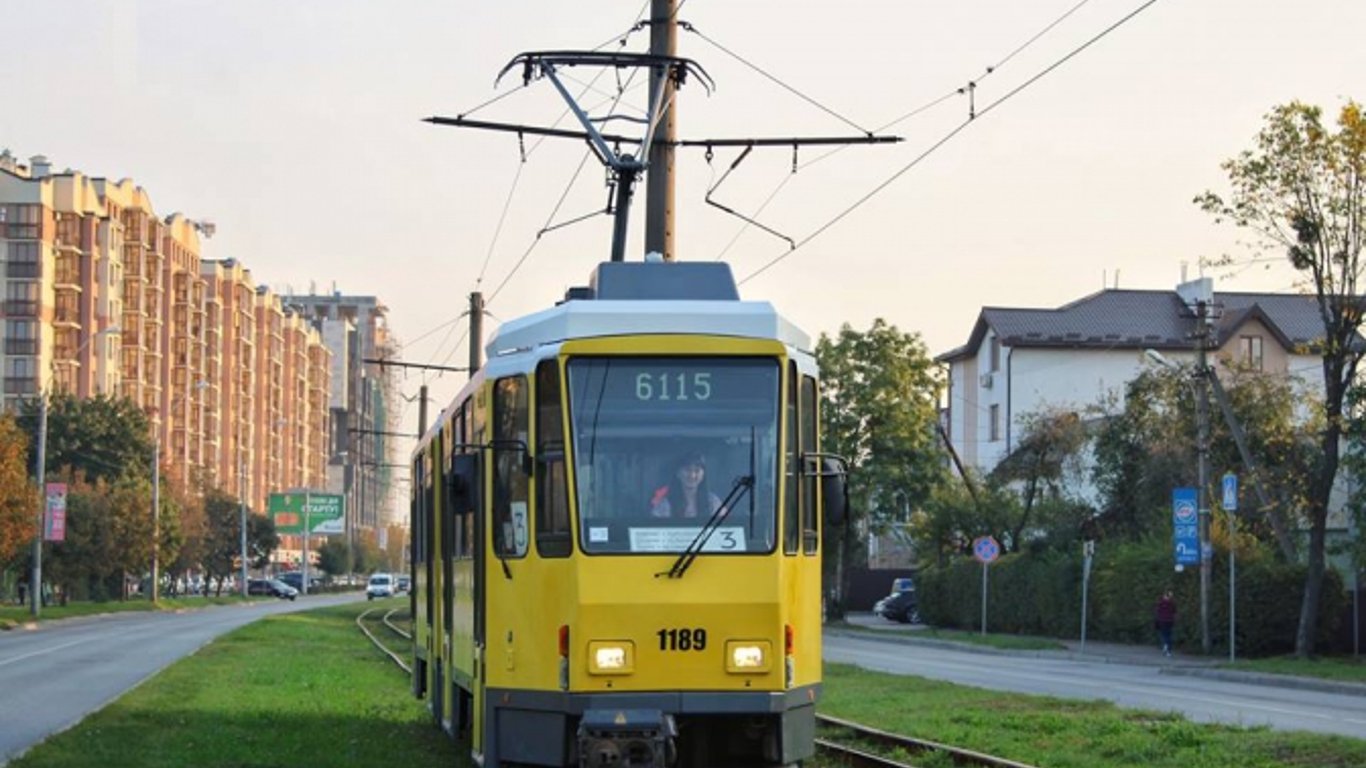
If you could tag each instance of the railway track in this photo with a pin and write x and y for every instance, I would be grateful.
(869, 747)
(384, 620)
(851, 744)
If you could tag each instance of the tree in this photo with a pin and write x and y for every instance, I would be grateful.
(103, 437)
(1302, 190)
(333, 556)
(879, 409)
(18, 500)
(1051, 442)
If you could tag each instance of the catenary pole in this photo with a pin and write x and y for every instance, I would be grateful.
(242, 473)
(659, 176)
(35, 584)
(308, 502)
(476, 331)
(1202, 468)
(156, 507)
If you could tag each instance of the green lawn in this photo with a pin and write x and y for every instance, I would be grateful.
(12, 615)
(308, 689)
(303, 689)
(1345, 668)
(1009, 642)
(1060, 733)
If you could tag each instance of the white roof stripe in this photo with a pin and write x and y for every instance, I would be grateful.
(596, 318)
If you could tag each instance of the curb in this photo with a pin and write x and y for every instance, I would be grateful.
(1278, 681)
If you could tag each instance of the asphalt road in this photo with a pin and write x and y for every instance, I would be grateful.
(55, 674)
(1144, 686)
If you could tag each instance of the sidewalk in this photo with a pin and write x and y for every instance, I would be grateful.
(866, 625)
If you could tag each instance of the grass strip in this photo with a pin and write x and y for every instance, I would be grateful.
(1344, 668)
(1065, 733)
(12, 616)
(301, 689)
(1006, 642)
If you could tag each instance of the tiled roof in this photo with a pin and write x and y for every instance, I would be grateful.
(1131, 319)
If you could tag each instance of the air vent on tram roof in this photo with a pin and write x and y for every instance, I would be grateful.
(647, 281)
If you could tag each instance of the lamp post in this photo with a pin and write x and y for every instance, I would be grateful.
(242, 490)
(156, 490)
(40, 473)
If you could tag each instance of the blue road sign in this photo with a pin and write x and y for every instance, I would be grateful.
(985, 549)
(1185, 526)
(1230, 492)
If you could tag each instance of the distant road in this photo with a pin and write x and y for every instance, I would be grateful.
(1128, 685)
(56, 674)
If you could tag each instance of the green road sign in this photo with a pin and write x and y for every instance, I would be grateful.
(325, 513)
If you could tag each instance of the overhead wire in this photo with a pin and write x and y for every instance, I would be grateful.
(773, 78)
(960, 91)
(946, 138)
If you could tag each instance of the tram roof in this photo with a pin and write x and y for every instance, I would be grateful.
(628, 298)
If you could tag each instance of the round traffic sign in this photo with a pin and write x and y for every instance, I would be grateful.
(985, 549)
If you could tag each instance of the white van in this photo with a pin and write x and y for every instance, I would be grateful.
(381, 585)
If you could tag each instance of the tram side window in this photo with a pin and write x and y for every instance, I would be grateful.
(553, 537)
(810, 525)
(510, 486)
(792, 508)
(464, 432)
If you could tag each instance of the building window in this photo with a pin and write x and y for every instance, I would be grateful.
(1251, 353)
(995, 354)
(995, 423)
(23, 260)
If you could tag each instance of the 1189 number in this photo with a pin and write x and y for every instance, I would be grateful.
(682, 639)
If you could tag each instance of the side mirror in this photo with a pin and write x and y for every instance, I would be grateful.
(464, 481)
(834, 491)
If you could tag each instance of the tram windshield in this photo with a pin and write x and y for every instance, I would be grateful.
(663, 444)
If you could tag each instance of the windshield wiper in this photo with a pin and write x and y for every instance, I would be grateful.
(742, 484)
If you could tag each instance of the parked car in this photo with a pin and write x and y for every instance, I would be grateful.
(273, 587)
(405, 583)
(296, 579)
(899, 606)
(381, 585)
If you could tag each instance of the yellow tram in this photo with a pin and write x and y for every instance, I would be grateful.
(616, 532)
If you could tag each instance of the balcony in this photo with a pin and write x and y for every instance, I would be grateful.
(30, 270)
(21, 346)
(19, 385)
(21, 308)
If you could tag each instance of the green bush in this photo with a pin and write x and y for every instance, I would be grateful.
(1040, 594)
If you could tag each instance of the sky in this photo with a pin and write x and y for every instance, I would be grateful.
(296, 127)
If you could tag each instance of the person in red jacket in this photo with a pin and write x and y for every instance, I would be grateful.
(1164, 618)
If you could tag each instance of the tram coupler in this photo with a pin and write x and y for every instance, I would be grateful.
(627, 738)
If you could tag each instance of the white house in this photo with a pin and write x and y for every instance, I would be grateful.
(1021, 361)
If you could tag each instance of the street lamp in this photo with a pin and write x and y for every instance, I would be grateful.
(1201, 394)
(36, 580)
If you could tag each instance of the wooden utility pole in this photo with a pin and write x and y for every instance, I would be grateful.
(659, 182)
(1202, 329)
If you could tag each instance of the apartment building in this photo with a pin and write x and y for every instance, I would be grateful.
(101, 295)
(364, 403)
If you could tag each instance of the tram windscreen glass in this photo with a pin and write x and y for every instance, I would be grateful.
(660, 444)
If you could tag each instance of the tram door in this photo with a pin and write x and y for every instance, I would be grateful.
(469, 496)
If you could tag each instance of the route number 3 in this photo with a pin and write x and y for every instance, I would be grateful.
(673, 386)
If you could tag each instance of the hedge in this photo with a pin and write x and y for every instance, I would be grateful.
(1040, 594)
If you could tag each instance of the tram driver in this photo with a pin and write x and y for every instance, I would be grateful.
(686, 494)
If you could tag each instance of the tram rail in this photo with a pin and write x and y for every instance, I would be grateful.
(394, 657)
(865, 736)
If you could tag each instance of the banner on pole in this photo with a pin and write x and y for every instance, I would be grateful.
(54, 512)
(1185, 526)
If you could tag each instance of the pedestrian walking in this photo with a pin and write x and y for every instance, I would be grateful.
(1164, 619)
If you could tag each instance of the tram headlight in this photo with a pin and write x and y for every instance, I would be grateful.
(611, 657)
(747, 656)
